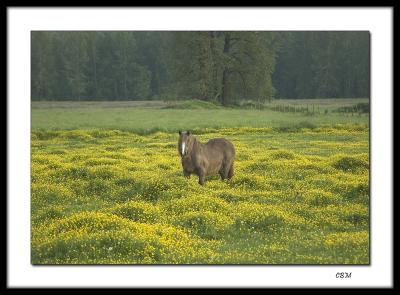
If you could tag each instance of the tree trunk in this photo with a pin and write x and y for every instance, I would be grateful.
(125, 74)
(78, 72)
(39, 87)
(204, 65)
(225, 76)
(95, 69)
(225, 88)
(214, 71)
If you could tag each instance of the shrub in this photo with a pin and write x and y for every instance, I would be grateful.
(351, 164)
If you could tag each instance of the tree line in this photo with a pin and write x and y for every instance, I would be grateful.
(217, 66)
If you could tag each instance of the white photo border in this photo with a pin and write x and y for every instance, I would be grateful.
(21, 21)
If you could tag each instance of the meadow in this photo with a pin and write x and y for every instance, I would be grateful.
(107, 188)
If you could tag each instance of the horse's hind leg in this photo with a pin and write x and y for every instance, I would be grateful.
(224, 172)
(230, 172)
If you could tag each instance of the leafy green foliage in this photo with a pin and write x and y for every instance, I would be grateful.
(217, 66)
(323, 65)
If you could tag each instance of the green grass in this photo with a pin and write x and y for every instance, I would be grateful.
(108, 191)
(147, 120)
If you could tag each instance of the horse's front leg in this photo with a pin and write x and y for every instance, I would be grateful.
(202, 176)
(186, 174)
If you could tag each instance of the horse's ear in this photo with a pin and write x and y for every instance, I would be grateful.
(189, 132)
(180, 132)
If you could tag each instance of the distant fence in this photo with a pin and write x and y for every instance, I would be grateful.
(313, 109)
(360, 108)
(295, 109)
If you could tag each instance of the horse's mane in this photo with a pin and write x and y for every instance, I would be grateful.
(194, 142)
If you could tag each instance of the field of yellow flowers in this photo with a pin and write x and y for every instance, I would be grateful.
(116, 197)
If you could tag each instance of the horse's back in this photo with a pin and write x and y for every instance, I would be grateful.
(221, 145)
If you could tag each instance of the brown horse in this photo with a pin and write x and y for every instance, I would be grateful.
(215, 156)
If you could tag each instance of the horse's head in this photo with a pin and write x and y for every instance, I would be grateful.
(185, 143)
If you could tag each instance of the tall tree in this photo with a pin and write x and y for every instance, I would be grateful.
(76, 51)
(223, 65)
(219, 66)
(322, 64)
(42, 66)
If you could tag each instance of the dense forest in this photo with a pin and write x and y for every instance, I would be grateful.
(218, 66)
